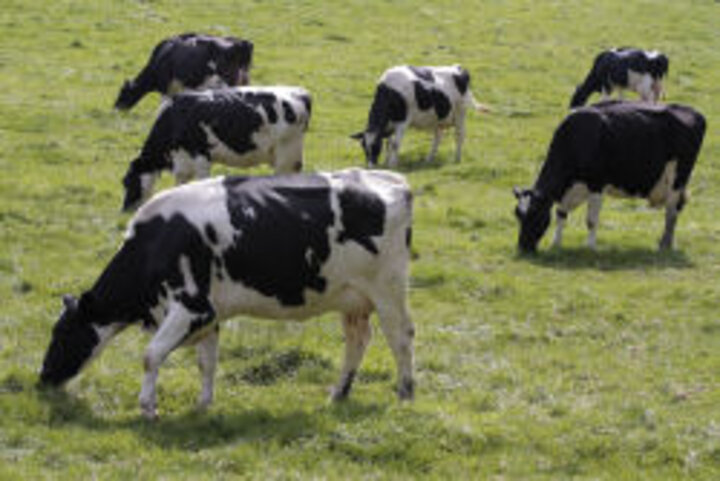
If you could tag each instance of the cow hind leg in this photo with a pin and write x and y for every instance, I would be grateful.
(207, 349)
(436, 143)
(593, 217)
(357, 337)
(391, 307)
(672, 209)
(459, 135)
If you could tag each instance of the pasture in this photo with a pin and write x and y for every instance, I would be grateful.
(571, 364)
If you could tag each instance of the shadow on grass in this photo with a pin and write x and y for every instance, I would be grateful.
(194, 430)
(408, 164)
(613, 259)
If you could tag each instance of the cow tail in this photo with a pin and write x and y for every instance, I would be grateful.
(479, 107)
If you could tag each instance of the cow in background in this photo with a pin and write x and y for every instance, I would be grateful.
(627, 149)
(190, 62)
(624, 69)
(426, 98)
(241, 126)
(278, 247)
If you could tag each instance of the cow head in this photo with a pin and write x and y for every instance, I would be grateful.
(73, 341)
(533, 213)
(371, 143)
(138, 187)
(129, 95)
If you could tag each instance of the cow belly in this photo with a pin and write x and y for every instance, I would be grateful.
(660, 193)
(429, 121)
(220, 152)
(230, 299)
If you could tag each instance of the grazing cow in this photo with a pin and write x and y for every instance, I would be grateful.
(428, 98)
(190, 62)
(624, 68)
(623, 148)
(279, 247)
(242, 126)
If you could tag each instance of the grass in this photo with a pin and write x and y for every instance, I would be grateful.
(568, 365)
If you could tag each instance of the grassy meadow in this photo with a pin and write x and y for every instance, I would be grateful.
(571, 364)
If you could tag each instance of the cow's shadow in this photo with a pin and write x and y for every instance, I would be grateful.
(609, 259)
(193, 430)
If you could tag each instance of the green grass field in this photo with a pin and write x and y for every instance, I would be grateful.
(569, 365)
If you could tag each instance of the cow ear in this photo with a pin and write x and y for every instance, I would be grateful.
(517, 191)
(70, 302)
(358, 136)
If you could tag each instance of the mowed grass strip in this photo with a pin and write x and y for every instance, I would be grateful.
(569, 365)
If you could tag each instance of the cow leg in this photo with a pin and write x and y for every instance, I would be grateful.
(394, 143)
(575, 196)
(436, 143)
(289, 156)
(593, 216)
(672, 209)
(645, 89)
(176, 327)
(391, 306)
(183, 166)
(202, 167)
(357, 337)
(207, 349)
(459, 134)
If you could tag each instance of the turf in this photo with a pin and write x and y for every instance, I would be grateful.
(569, 365)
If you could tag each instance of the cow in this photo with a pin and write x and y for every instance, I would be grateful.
(427, 98)
(241, 126)
(624, 68)
(278, 247)
(622, 148)
(190, 62)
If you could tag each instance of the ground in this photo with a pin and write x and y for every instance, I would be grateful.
(569, 365)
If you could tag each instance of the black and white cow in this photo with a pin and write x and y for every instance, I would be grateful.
(624, 68)
(190, 62)
(279, 247)
(622, 148)
(427, 98)
(241, 126)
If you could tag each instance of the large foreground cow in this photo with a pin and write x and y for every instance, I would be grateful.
(282, 247)
(624, 69)
(190, 62)
(623, 148)
(426, 98)
(242, 127)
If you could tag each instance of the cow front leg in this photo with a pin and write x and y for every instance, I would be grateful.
(459, 135)
(593, 217)
(179, 324)
(357, 337)
(393, 146)
(207, 349)
(576, 195)
(437, 137)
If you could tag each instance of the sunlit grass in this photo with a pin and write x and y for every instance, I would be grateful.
(571, 364)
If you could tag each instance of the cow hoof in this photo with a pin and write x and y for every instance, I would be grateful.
(150, 414)
(149, 411)
(337, 395)
(665, 244)
(406, 391)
